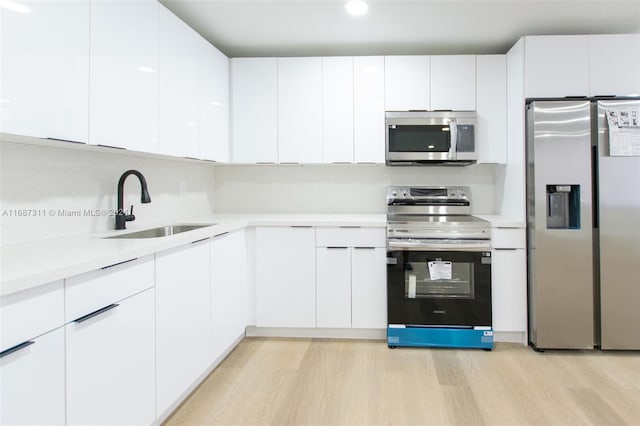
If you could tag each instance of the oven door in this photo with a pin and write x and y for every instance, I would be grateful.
(439, 288)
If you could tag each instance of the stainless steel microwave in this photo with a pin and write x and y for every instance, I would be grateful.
(430, 138)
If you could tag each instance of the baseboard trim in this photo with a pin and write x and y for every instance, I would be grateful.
(510, 337)
(318, 333)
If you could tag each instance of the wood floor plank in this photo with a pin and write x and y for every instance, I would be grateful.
(297, 382)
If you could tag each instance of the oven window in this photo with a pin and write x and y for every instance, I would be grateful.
(423, 138)
(438, 279)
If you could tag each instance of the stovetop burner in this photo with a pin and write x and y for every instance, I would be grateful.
(425, 214)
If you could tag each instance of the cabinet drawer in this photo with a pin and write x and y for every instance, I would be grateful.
(508, 238)
(30, 313)
(350, 237)
(94, 290)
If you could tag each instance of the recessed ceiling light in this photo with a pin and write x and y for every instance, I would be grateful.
(357, 7)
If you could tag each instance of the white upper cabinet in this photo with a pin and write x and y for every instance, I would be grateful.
(614, 65)
(368, 120)
(300, 110)
(337, 109)
(44, 83)
(214, 104)
(407, 83)
(179, 87)
(556, 66)
(453, 82)
(123, 103)
(491, 108)
(255, 110)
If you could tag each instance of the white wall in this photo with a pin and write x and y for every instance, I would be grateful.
(336, 188)
(51, 180)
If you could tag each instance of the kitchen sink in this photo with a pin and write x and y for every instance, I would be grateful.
(162, 231)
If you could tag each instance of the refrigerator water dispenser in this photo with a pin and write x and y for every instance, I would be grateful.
(563, 206)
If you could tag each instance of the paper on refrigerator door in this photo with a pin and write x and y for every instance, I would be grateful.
(411, 292)
(440, 270)
(624, 132)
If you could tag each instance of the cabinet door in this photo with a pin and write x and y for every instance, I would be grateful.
(368, 119)
(333, 287)
(556, 66)
(285, 277)
(255, 110)
(32, 383)
(228, 291)
(182, 320)
(337, 109)
(45, 70)
(509, 289)
(300, 110)
(179, 85)
(124, 74)
(214, 104)
(369, 287)
(110, 365)
(491, 108)
(614, 65)
(406, 83)
(30, 313)
(453, 82)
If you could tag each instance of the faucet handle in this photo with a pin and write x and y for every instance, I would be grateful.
(129, 217)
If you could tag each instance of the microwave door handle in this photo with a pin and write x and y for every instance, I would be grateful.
(453, 130)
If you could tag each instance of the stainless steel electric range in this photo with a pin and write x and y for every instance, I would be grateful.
(438, 269)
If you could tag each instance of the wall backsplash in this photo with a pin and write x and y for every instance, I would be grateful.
(359, 188)
(67, 190)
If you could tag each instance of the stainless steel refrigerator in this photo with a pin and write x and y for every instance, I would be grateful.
(583, 214)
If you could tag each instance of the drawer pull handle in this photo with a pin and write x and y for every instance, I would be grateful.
(301, 226)
(365, 248)
(200, 240)
(16, 348)
(350, 226)
(221, 234)
(96, 313)
(336, 248)
(119, 263)
(505, 249)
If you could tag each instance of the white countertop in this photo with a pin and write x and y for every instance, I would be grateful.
(35, 263)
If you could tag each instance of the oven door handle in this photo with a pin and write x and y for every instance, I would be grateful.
(406, 246)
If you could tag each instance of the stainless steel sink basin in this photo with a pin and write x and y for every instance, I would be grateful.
(162, 231)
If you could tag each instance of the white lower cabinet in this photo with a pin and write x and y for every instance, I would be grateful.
(285, 278)
(333, 287)
(183, 350)
(110, 364)
(228, 290)
(509, 280)
(32, 382)
(369, 287)
(351, 277)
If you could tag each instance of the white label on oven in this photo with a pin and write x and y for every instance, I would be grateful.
(440, 270)
(392, 261)
(411, 292)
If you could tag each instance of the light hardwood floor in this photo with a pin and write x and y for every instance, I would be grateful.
(267, 381)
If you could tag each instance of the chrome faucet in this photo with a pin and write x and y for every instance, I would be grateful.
(123, 217)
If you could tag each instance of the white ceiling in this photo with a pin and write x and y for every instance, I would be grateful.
(322, 28)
